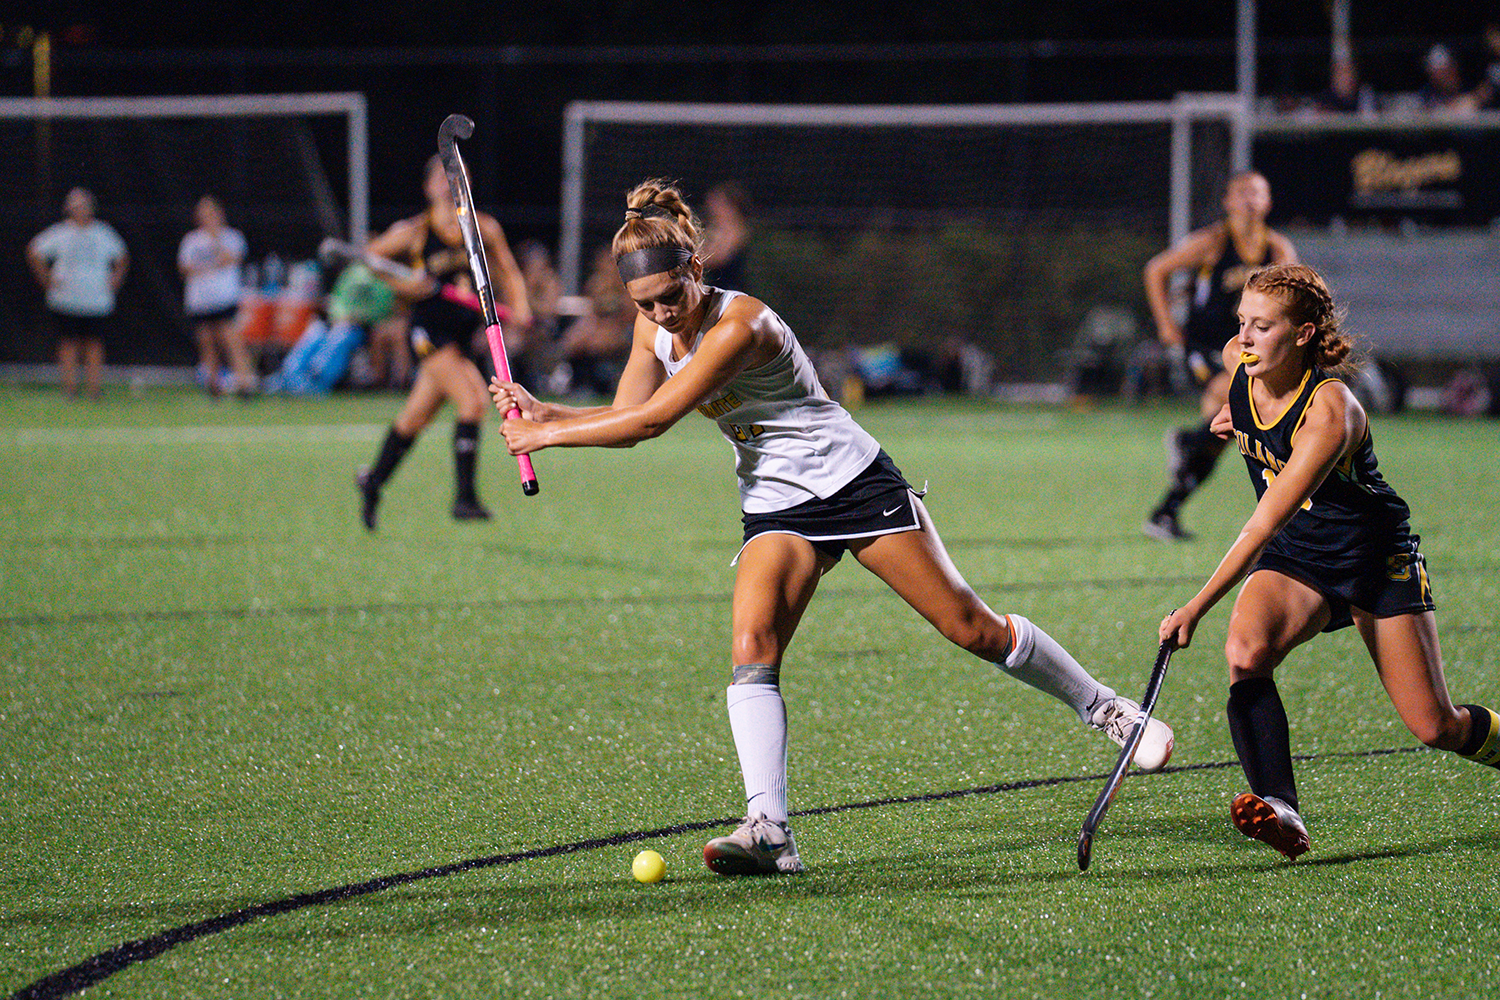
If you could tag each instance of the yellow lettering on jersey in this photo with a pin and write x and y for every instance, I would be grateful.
(744, 432)
(717, 408)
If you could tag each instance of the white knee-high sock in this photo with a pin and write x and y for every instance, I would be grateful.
(1037, 659)
(757, 717)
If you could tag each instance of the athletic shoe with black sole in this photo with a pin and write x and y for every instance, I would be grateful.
(1270, 821)
(470, 510)
(758, 847)
(369, 498)
(1164, 527)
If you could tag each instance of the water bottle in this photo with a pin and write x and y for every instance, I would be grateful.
(275, 274)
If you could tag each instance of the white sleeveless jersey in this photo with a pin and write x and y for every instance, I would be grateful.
(791, 442)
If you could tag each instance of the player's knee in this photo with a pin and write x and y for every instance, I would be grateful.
(1249, 656)
(408, 426)
(756, 646)
(471, 409)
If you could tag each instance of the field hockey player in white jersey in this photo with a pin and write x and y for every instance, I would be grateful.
(813, 485)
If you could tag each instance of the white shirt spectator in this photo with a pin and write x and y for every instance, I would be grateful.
(211, 263)
(80, 258)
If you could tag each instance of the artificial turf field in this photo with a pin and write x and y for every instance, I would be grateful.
(273, 756)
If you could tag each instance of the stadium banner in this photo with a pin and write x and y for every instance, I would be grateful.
(1439, 176)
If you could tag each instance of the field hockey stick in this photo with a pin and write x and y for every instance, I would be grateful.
(1127, 754)
(334, 251)
(457, 127)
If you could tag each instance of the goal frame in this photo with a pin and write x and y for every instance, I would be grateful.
(349, 103)
(1182, 112)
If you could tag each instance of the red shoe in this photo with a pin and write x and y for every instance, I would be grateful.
(1270, 821)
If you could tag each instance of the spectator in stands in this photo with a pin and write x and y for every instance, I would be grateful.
(1346, 92)
(537, 344)
(727, 216)
(598, 343)
(320, 359)
(209, 259)
(1487, 95)
(1444, 89)
(80, 262)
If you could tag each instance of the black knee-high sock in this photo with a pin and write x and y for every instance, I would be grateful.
(1484, 738)
(392, 451)
(465, 458)
(1257, 721)
(1200, 448)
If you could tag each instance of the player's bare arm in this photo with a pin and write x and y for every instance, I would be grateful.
(1332, 429)
(507, 273)
(1282, 250)
(1189, 253)
(736, 342)
(642, 376)
(402, 239)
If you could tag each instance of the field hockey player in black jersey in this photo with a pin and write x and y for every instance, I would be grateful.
(1219, 256)
(1329, 545)
(445, 316)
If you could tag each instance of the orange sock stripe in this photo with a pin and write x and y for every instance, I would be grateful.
(1489, 751)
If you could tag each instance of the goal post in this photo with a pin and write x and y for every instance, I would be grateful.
(290, 169)
(990, 223)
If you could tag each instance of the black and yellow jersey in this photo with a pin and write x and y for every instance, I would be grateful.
(452, 313)
(1213, 313)
(1352, 519)
(444, 262)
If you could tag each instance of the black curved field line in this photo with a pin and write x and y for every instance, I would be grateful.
(105, 964)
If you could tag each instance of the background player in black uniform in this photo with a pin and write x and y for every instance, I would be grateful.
(1220, 256)
(1329, 545)
(445, 315)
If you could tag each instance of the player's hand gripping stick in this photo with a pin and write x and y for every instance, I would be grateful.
(457, 127)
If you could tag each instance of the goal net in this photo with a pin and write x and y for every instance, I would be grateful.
(289, 169)
(922, 228)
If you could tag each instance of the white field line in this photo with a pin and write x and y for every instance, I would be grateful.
(51, 437)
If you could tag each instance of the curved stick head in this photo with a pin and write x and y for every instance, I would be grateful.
(1085, 850)
(454, 127)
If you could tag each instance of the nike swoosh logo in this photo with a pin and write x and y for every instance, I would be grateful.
(888, 513)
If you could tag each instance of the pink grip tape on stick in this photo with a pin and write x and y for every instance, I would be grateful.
(529, 484)
(457, 127)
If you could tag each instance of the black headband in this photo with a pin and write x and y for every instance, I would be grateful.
(651, 260)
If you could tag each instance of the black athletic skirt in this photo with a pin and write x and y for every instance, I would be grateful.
(215, 315)
(1387, 584)
(878, 501)
(443, 318)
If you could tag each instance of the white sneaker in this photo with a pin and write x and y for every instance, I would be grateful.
(759, 847)
(1117, 718)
